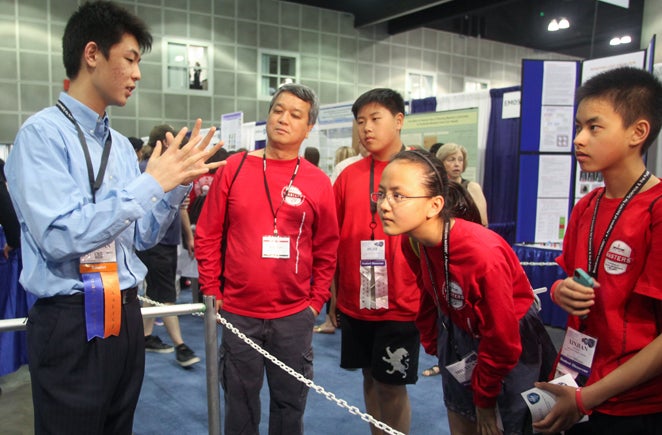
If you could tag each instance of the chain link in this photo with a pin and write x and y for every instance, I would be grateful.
(309, 383)
(540, 263)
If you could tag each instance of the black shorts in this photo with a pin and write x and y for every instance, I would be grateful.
(161, 263)
(388, 348)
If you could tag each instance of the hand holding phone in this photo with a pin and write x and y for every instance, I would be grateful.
(583, 278)
(580, 276)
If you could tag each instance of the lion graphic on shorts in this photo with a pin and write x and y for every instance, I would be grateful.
(398, 361)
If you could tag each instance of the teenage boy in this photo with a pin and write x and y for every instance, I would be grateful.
(615, 235)
(266, 244)
(377, 293)
(84, 210)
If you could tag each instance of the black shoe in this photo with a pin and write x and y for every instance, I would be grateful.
(154, 344)
(185, 356)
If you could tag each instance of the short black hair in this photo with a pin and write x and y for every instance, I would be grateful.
(388, 98)
(634, 94)
(136, 142)
(104, 23)
(312, 154)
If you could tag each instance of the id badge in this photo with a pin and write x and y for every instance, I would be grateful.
(105, 254)
(275, 247)
(463, 369)
(577, 354)
(374, 276)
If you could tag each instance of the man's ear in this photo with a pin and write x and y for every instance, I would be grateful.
(640, 130)
(91, 53)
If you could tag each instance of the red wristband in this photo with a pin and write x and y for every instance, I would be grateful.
(580, 403)
(553, 289)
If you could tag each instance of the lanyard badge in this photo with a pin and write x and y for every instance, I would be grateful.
(374, 276)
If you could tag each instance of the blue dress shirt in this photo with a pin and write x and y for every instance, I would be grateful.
(49, 185)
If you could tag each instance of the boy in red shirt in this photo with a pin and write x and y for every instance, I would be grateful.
(615, 234)
(377, 294)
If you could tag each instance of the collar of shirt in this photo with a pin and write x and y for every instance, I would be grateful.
(88, 119)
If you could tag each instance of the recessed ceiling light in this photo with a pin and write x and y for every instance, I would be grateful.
(553, 26)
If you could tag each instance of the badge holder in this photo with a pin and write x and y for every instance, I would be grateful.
(374, 276)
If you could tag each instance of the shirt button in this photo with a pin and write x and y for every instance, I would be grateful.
(154, 199)
(128, 222)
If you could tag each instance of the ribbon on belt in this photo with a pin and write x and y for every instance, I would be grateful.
(103, 299)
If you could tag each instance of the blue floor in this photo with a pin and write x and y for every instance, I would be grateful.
(175, 399)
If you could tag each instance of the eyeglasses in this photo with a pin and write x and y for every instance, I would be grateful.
(393, 198)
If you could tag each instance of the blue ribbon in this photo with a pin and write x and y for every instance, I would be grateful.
(94, 305)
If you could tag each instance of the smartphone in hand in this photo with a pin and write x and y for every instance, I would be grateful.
(580, 276)
(583, 278)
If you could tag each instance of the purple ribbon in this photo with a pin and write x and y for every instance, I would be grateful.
(94, 305)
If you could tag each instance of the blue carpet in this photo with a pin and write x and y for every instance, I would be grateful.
(174, 400)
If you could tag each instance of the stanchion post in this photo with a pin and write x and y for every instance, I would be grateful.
(211, 354)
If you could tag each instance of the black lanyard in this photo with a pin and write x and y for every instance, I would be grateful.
(636, 187)
(373, 204)
(435, 287)
(94, 184)
(287, 191)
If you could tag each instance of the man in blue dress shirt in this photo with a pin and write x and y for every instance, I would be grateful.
(82, 201)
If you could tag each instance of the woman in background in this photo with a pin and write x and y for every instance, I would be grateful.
(454, 158)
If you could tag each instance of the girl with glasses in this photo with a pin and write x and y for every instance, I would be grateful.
(477, 307)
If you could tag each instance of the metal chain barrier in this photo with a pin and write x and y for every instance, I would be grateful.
(309, 383)
(541, 263)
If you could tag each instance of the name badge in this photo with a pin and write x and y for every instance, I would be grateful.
(577, 354)
(463, 369)
(374, 276)
(275, 247)
(105, 254)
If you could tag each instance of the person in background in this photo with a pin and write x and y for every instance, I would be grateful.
(329, 325)
(359, 153)
(454, 157)
(8, 219)
(377, 293)
(615, 235)
(312, 154)
(478, 309)
(266, 244)
(161, 263)
(435, 147)
(86, 375)
(137, 144)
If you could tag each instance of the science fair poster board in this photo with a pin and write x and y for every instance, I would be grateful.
(546, 162)
(457, 126)
(334, 129)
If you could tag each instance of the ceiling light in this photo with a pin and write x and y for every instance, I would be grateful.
(564, 23)
(553, 26)
(622, 40)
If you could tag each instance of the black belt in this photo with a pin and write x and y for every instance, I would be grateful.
(129, 295)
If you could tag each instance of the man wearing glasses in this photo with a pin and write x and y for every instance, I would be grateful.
(377, 293)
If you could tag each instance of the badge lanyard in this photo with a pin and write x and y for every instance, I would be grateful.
(636, 187)
(266, 188)
(103, 300)
(435, 288)
(94, 184)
